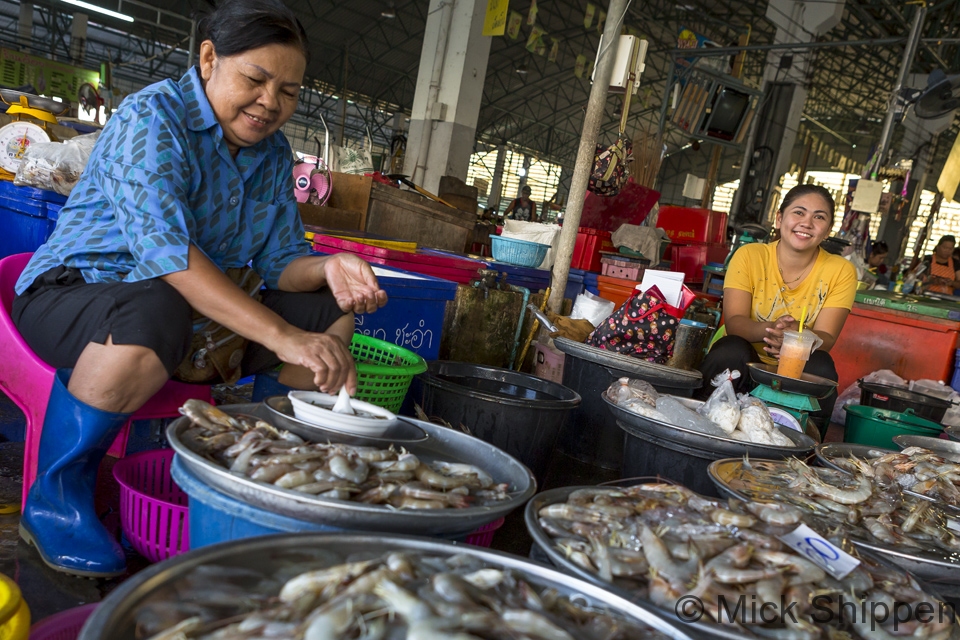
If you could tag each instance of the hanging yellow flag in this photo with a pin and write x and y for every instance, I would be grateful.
(533, 40)
(513, 24)
(495, 22)
(600, 20)
(554, 50)
(532, 13)
(588, 15)
(579, 66)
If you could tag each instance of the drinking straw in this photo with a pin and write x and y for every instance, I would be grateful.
(803, 316)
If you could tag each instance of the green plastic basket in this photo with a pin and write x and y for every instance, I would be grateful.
(384, 371)
(877, 427)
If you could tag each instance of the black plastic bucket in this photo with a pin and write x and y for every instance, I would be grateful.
(591, 434)
(646, 455)
(518, 413)
(899, 399)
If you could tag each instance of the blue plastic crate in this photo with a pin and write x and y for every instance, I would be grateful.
(22, 232)
(10, 190)
(413, 317)
(574, 285)
(590, 282)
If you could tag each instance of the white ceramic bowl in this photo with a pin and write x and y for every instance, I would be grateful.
(316, 408)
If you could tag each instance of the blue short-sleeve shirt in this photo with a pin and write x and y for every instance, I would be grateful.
(160, 178)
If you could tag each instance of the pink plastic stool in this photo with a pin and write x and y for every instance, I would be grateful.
(27, 380)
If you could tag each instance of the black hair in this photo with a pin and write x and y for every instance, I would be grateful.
(947, 239)
(879, 246)
(237, 26)
(807, 189)
(526, 187)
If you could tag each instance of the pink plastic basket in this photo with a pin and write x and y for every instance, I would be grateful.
(483, 537)
(65, 625)
(153, 509)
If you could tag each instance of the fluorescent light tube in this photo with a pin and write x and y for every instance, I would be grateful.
(95, 8)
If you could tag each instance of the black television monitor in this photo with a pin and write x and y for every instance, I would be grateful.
(727, 113)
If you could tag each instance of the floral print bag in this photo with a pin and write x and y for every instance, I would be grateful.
(642, 327)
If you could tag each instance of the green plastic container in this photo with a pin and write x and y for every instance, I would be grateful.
(877, 427)
(384, 371)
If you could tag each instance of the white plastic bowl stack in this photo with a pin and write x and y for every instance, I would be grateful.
(316, 408)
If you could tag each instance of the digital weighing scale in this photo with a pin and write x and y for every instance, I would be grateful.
(17, 136)
(795, 397)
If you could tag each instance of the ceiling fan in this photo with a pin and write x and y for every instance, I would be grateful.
(941, 96)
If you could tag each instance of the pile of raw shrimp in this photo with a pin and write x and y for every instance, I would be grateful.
(398, 479)
(667, 544)
(394, 596)
(914, 469)
(863, 504)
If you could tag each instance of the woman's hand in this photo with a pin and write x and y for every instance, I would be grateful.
(353, 283)
(325, 355)
(774, 337)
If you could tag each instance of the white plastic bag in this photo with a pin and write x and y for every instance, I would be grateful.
(934, 388)
(535, 232)
(593, 308)
(55, 166)
(851, 395)
(722, 406)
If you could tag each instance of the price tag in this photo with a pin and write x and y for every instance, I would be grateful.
(820, 551)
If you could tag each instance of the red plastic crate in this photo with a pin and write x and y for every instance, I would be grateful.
(690, 259)
(586, 252)
(692, 225)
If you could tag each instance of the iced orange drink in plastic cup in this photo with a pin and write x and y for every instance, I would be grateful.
(795, 351)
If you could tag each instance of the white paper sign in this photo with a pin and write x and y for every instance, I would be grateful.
(669, 282)
(867, 196)
(820, 551)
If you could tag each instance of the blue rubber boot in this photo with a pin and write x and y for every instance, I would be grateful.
(59, 518)
(266, 385)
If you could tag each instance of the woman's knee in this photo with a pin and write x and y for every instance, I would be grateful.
(730, 347)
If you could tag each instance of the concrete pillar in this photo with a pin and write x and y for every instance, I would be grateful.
(453, 67)
(25, 25)
(78, 38)
(785, 78)
(493, 202)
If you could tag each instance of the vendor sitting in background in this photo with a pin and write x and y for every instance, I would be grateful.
(941, 275)
(876, 264)
(767, 287)
(188, 183)
(522, 208)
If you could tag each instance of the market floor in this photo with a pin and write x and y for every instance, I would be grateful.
(48, 592)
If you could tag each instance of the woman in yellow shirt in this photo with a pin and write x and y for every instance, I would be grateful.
(767, 286)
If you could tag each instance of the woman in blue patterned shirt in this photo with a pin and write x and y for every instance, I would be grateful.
(189, 181)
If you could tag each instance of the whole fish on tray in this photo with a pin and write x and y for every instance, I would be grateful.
(669, 545)
(254, 448)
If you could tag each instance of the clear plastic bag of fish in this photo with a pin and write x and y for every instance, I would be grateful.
(722, 407)
(626, 390)
(676, 413)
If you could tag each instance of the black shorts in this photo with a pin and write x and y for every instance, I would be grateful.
(60, 314)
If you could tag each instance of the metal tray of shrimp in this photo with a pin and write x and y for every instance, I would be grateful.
(938, 568)
(442, 444)
(545, 544)
(827, 453)
(630, 421)
(167, 593)
(946, 449)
